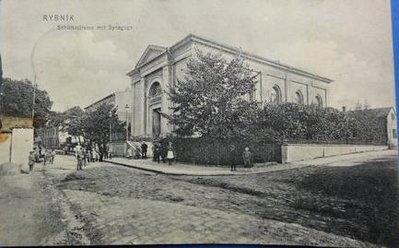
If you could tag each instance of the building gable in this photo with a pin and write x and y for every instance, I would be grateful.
(149, 54)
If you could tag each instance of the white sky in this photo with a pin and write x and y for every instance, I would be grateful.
(348, 41)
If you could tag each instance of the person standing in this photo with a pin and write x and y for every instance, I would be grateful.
(157, 152)
(163, 150)
(79, 158)
(247, 157)
(110, 152)
(129, 153)
(31, 160)
(45, 157)
(233, 162)
(144, 148)
(91, 156)
(48, 156)
(170, 153)
(84, 153)
(52, 156)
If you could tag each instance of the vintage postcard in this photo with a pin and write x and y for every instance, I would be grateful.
(198, 122)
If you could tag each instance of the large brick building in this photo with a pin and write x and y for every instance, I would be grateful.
(160, 67)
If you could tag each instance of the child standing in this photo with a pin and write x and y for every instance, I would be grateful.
(233, 162)
(52, 156)
(247, 157)
(170, 155)
(31, 160)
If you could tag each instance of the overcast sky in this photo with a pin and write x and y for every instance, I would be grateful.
(348, 41)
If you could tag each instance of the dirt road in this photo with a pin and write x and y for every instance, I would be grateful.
(108, 204)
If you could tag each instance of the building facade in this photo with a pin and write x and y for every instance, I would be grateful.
(388, 117)
(121, 100)
(161, 67)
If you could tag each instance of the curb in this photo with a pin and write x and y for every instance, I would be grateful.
(189, 174)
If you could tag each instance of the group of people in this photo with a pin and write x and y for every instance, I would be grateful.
(160, 150)
(164, 152)
(247, 158)
(84, 156)
(39, 153)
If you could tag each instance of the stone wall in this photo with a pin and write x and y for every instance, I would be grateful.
(21, 145)
(299, 152)
(5, 145)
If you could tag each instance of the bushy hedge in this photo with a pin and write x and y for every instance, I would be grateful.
(210, 151)
(312, 124)
(275, 124)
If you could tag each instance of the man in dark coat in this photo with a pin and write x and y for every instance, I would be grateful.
(164, 150)
(156, 150)
(233, 158)
(144, 148)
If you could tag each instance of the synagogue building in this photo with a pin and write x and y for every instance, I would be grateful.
(159, 67)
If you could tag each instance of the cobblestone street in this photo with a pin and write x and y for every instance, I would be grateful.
(110, 204)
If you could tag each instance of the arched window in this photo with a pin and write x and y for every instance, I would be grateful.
(155, 90)
(298, 97)
(276, 95)
(319, 101)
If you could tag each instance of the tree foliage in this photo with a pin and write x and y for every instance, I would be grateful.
(212, 100)
(94, 126)
(294, 122)
(18, 98)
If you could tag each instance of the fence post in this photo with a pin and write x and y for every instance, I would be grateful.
(218, 152)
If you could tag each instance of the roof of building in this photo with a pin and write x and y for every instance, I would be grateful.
(378, 112)
(230, 49)
(7, 123)
(160, 49)
(102, 99)
(75, 109)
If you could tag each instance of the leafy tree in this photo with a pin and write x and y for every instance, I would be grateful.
(94, 125)
(212, 98)
(18, 98)
(65, 120)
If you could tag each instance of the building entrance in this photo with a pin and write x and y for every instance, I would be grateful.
(156, 122)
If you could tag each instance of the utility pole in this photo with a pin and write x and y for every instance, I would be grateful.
(127, 126)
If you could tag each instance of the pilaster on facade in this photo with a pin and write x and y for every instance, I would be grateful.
(286, 88)
(167, 81)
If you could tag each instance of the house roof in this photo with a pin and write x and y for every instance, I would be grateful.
(102, 99)
(7, 123)
(230, 49)
(377, 112)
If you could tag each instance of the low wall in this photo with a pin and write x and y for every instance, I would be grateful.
(21, 145)
(118, 149)
(299, 152)
(5, 147)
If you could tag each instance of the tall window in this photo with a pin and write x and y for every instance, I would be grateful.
(319, 101)
(276, 95)
(155, 89)
(298, 97)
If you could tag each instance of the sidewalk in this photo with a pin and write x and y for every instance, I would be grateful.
(201, 170)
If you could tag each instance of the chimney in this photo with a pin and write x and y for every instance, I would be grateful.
(343, 108)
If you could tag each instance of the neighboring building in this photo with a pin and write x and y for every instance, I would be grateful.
(54, 137)
(16, 139)
(388, 116)
(160, 67)
(120, 100)
(49, 137)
